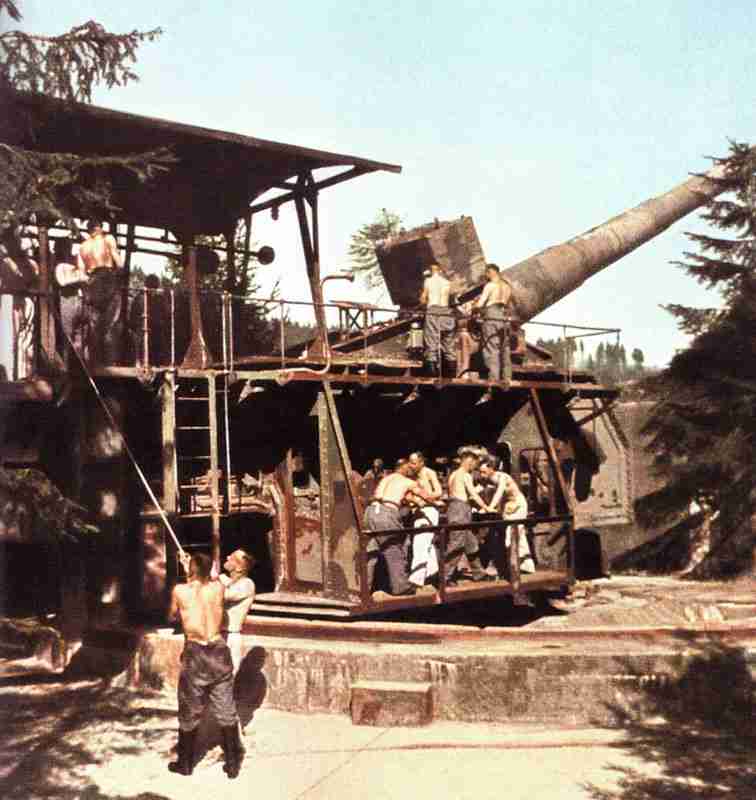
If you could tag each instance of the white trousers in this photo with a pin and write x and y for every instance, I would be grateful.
(234, 642)
(424, 556)
(523, 546)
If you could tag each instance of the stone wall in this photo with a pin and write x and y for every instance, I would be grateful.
(572, 686)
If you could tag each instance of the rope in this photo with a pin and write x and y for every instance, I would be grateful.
(118, 430)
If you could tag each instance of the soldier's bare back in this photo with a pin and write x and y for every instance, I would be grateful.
(100, 250)
(200, 605)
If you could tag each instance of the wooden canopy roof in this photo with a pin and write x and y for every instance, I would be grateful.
(218, 174)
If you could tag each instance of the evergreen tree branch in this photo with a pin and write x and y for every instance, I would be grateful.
(70, 65)
(11, 9)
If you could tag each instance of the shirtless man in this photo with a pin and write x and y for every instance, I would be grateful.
(239, 596)
(100, 259)
(206, 666)
(383, 514)
(515, 507)
(459, 511)
(494, 303)
(424, 557)
(438, 332)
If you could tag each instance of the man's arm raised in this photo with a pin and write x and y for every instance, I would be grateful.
(173, 611)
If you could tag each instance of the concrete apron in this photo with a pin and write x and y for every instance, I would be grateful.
(573, 678)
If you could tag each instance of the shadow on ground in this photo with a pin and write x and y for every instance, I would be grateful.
(54, 730)
(695, 732)
(58, 731)
(250, 688)
(493, 611)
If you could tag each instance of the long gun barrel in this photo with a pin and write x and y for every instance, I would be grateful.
(543, 279)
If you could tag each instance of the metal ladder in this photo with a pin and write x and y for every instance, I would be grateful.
(199, 439)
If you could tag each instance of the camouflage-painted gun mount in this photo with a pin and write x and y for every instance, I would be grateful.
(543, 279)
(454, 245)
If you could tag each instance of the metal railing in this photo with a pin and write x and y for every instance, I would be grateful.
(158, 328)
(443, 531)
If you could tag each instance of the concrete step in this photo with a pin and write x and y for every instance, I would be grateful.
(391, 703)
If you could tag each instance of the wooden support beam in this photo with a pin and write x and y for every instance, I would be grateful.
(198, 355)
(46, 321)
(353, 172)
(346, 463)
(231, 277)
(557, 471)
(312, 262)
(602, 409)
(168, 428)
(212, 408)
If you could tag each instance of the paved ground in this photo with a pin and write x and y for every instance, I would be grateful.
(89, 739)
(627, 601)
(81, 739)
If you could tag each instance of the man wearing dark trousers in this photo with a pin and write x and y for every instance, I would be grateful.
(383, 513)
(207, 671)
(462, 493)
(100, 259)
(493, 303)
(439, 339)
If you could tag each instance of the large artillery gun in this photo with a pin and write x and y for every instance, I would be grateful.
(541, 280)
(262, 449)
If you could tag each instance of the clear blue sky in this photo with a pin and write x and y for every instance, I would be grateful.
(540, 121)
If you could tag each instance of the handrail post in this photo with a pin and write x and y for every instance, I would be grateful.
(224, 340)
(231, 331)
(145, 327)
(282, 333)
(364, 341)
(173, 328)
(442, 566)
(506, 355)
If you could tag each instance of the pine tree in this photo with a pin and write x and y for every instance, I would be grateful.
(703, 427)
(47, 187)
(362, 247)
(42, 188)
(638, 359)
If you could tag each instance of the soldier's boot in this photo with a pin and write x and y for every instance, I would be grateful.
(184, 764)
(477, 573)
(232, 750)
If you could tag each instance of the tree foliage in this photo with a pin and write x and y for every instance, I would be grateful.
(703, 429)
(70, 65)
(252, 324)
(52, 186)
(608, 363)
(33, 503)
(362, 247)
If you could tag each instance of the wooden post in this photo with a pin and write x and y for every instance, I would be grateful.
(231, 277)
(46, 323)
(126, 285)
(556, 470)
(312, 260)
(198, 355)
(214, 481)
(170, 483)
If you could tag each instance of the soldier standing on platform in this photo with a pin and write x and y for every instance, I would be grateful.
(439, 330)
(494, 302)
(100, 259)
